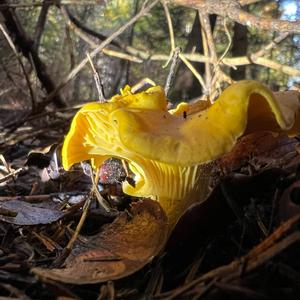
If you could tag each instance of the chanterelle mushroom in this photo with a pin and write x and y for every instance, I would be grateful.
(168, 151)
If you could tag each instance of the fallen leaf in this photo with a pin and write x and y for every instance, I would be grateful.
(207, 219)
(120, 249)
(22, 213)
(265, 147)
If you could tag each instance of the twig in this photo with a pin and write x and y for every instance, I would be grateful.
(121, 55)
(85, 210)
(274, 237)
(144, 10)
(272, 65)
(232, 10)
(267, 249)
(11, 175)
(81, 2)
(95, 190)
(217, 72)
(205, 23)
(194, 71)
(248, 2)
(231, 62)
(228, 46)
(38, 198)
(25, 45)
(98, 82)
(12, 46)
(240, 290)
(5, 164)
(265, 50)
(13, 291)
(269, 253)
(171, 32)
(80, 33)
(170, 26)
(181, 56)
(206, 53)
(50, 2)
(70, 47)
(236, 61)
(141, 84)
(90, 32)
(40, 25)
(172, 71)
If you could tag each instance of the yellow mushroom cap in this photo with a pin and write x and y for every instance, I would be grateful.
(164, 148)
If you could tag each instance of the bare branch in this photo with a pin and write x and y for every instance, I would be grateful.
(40, 25)
(81, 33)
(25, 44)
(97, 80)
(80, 3)
(266, 49)
(232, 9)
(180, 55)
(194, 71)
(236, 61)
(248, 2)
(206, 29)
(206, 53)
(172, 72)
(170, 26)
(81, 28)
(48, 2)
(144, 10)
(12, 46)
(85, 32)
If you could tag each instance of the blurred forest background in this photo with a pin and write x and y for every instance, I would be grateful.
(42, 43)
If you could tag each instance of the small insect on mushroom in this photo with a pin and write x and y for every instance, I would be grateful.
(168, 154)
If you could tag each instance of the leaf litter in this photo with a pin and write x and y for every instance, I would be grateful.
(224, 247)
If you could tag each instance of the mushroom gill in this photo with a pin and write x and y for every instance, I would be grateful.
(169, 150)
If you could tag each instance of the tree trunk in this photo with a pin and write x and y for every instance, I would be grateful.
(186, 85)
(239, 48)
(26, 45)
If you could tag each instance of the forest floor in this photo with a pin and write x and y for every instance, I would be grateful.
(242, 243)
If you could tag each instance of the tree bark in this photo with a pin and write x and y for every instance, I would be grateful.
(40, 25)
(232, 9)
(186, 85)
(26, 45)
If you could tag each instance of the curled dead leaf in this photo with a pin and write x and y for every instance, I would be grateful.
(264, 148)
(225, 204)
(120, 249)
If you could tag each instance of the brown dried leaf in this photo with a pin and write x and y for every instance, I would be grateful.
(119, 250)
(22, 213)
(264, 147)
